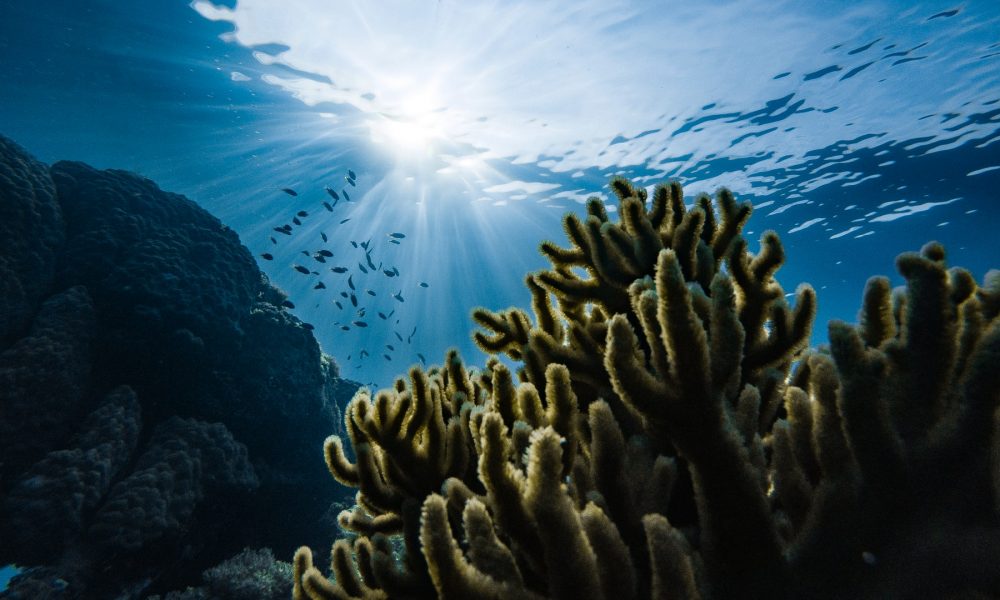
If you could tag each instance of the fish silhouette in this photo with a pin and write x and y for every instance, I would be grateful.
(290, 191)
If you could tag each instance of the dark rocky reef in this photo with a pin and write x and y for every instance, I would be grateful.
(157, 400)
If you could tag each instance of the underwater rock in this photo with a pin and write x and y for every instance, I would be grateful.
(44, 377)
(47, 507)
(111, 282)
(157, 259)
(185, 461)
(31, 232)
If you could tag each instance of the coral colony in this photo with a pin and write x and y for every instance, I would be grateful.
(669, 435)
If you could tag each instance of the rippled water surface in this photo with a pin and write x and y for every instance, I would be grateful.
(858, 130)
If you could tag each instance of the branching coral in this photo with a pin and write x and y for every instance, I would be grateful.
(669, 436)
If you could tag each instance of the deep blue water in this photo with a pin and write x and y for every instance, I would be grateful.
(858, 133)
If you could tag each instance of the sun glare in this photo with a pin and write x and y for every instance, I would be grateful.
(409, 135)
(413, 126)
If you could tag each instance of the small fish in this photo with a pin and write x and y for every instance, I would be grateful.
(361, 323)
(343, 294)
(308, 326)
(345, 327)
(423, 284)
(302, 214)
(323, 235)
(267, 256)
(273, 241)
(363, 269)
(371, 265)
(369, 292)
(410, 337)
(319, 258)
(361, 311)
(350, 281)
(296, 221)
(332, 193)
(398, 296)
(382, 316)
(422, 359)
(389, 273)
(354, 300)
(339, 269)
(398, 336)
(305, 253)
(302, 269)
(390, 347)
(348, 357)
(387, 357)
(396, 271)
(366, 244)
(346, 197)
(394, 242)
(290, 191)
(345, 220)
(353, 243)
(339, 305)
(287, 304)
(364, 353)
(390, 312)
(319, 286)
(350, 181)
(284, 231)
(350, 174)
(327, 206)
(397, 235)
(325, 253)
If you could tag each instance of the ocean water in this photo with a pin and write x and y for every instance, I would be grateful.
(858, 130)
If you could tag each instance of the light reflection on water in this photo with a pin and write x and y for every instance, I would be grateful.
(857, 132)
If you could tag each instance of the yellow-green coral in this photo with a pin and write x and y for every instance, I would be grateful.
(658, 443)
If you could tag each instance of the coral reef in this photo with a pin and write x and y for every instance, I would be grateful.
(250, 575)
(668, 434)
(157, 399)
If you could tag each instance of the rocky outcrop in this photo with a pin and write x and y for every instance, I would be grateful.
(157, 400)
